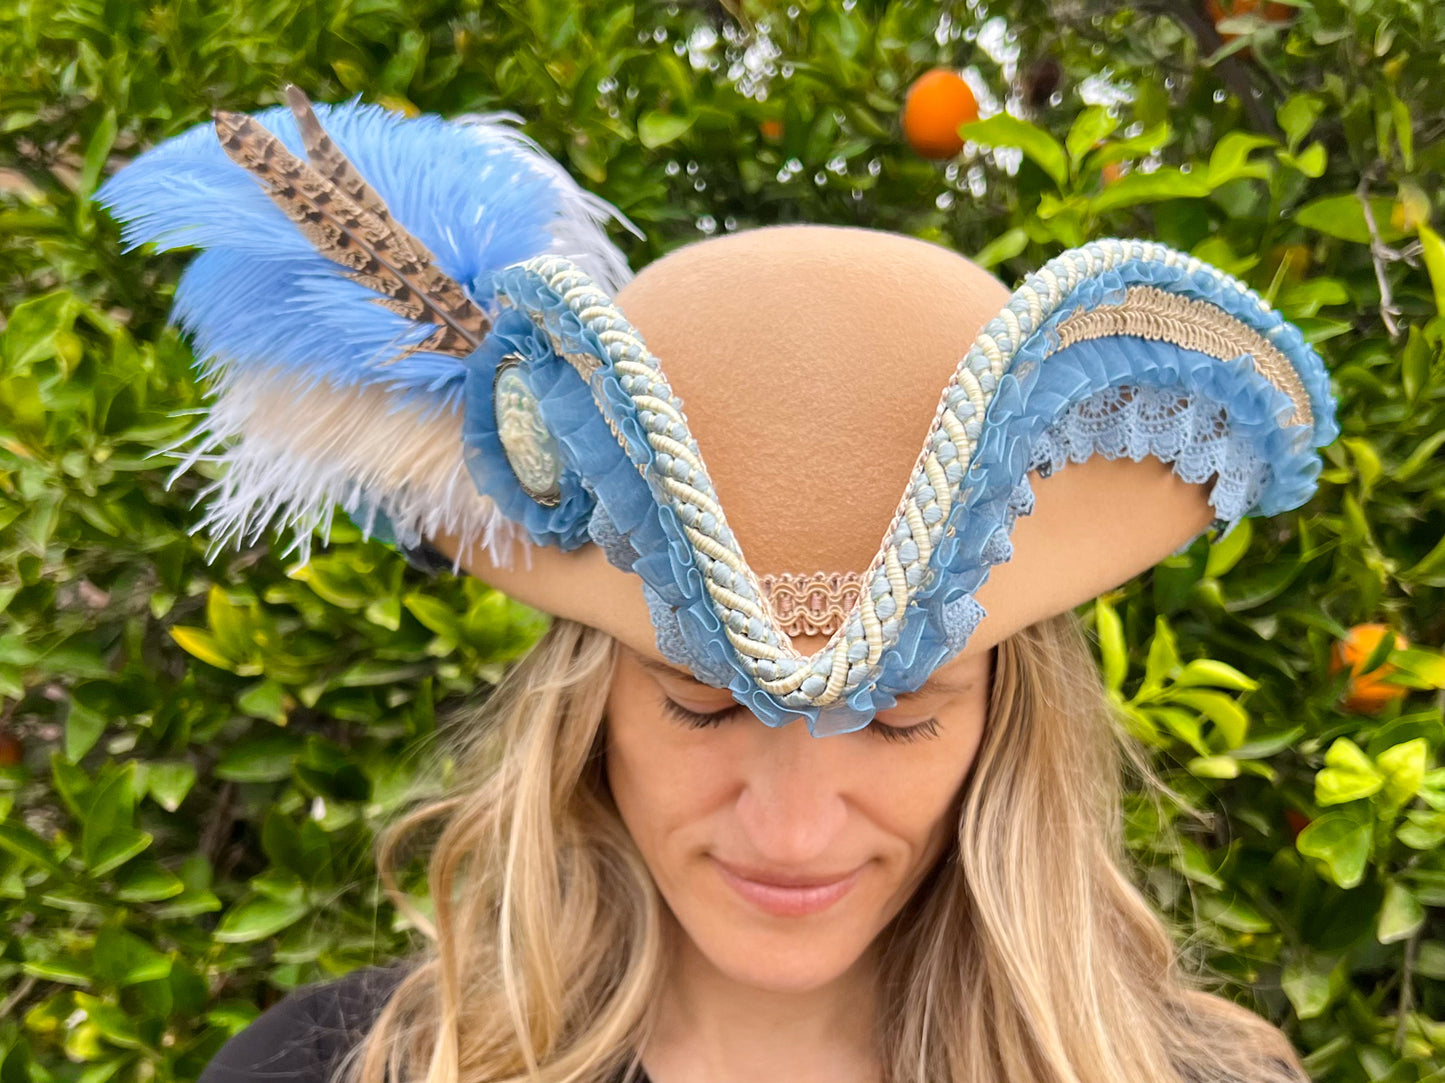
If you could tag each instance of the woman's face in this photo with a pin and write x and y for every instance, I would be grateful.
(783, 855)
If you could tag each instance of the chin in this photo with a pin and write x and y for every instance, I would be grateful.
(778, 954)
(781, 961)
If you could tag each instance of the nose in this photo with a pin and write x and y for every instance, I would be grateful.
(792, 804)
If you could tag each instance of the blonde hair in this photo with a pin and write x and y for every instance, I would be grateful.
(1026, 956)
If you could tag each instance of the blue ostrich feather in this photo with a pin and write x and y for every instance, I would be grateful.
(477, 193)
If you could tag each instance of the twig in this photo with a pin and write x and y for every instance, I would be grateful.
(218, 827)
(1407, 989)
(21, 992)
(1379, 253)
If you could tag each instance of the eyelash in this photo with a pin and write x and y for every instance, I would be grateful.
(697, 720)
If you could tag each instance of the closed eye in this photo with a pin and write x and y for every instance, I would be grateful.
(701, 720)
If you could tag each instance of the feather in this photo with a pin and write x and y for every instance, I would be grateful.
(380, 255)
(476, 193)
(275, 322)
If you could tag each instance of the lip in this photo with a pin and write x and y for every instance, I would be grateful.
(784, 895)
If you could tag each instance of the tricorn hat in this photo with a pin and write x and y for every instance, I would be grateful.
(811, 464)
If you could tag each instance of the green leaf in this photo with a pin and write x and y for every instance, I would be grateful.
(1146, 142)
(264, 699)
(56, 970)
(1135, 188)
(1432, 248)
(1213, 767)
(1430, 960)
(1003, 247)
(1404, 130)
(1228, 716)
(1311, 162)
(385, 613)
(1342, 216)
(1093, 124)
(1424, 666)
(1226, 552)
(1348, 774)
(148, 883)
(265, 758)
(1400, 915)
(1367, 461)
(1163, 658)
(1002, 130)
(1238, 914)
(1404, 768)
(122, 958)
(1297, 117)
(1112, 648)
(655, 129)
(108, 837)
(1430, 570)
(1422, 830)
(1211, 673)
(258, 917)
(116, 848)
(1230, 159)
(83, 728)
(1341, 842)
(32, 332)
(201, 644)
(434, 615)
(1194, 863)
(169, 781)
(1306, 981)
(97, 149)
(27, 846)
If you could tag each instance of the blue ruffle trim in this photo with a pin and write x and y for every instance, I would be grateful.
(637, 531)
(558, 389)
(1044, 384)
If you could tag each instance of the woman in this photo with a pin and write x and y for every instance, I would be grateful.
(913, 870)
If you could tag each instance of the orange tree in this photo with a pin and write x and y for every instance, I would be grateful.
(194, 756)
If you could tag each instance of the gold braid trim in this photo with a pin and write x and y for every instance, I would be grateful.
(1151, 313)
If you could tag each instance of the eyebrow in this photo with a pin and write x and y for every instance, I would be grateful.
(933, 687)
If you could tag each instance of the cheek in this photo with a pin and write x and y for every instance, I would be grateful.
(667, 781)
(914, 791)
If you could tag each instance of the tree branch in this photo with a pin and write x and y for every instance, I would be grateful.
(1379, 254)
(1232, 71)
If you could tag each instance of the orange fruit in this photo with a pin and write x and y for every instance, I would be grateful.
(772, 130)
(11, 750)
(1366, 693)
(1112, 171)
(936, 104)
(1296, 820)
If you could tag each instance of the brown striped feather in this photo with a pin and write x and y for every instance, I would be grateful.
(376, 252)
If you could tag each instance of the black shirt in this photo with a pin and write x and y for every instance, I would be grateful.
(300, 1038)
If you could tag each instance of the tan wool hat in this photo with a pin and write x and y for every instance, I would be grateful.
(811, 464)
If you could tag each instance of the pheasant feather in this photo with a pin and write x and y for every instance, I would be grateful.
(349, 224)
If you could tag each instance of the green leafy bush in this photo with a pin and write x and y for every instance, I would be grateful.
(194, 756)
